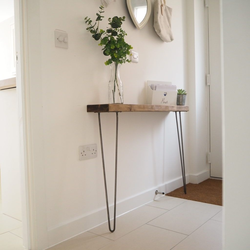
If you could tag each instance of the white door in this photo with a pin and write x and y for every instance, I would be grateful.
(215, 81)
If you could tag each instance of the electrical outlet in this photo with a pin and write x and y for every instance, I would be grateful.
(87, 152)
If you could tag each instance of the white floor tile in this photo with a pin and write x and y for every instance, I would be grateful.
(129, 222)
(85, 241)
(207, 237)
(167, 202)
(218, 217)
(7, 224)
(147, 238)
(9, 241)
(187, 217)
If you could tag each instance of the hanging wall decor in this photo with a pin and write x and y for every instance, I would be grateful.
(162, 20)
(139, 11)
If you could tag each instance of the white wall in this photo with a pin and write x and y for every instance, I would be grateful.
(68, 194)
(9, 154)
(236, 23)
(6, 48)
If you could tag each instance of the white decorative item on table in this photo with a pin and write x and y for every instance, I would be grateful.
(161, 93)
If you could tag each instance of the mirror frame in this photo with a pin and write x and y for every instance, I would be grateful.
(146, 18)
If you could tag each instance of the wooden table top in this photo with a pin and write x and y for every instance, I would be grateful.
(99, 108)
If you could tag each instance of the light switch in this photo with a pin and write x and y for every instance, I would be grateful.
(61, 39)
(134, 56)
(105, 3)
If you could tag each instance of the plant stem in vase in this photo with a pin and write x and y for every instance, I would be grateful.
(115, 85)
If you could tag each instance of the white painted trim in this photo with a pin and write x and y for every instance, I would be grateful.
(22, 123)
(86, 222)
(33, 178)
(174, 184)
(77, 226)
(200, 177)
(216, 66)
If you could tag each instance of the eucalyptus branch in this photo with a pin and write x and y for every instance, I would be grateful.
(111, 39)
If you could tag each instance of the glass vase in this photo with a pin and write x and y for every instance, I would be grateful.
(115, 88)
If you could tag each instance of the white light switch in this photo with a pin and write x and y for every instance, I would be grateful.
(61, 39)
(134, 56)
(105, 3)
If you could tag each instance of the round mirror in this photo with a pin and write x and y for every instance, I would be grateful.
(139, 11)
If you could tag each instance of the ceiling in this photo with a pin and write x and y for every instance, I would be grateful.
(6, 9)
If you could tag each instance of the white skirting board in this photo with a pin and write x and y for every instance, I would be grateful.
(200, 177)
(75, 227)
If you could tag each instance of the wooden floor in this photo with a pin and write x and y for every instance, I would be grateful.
(209, 191)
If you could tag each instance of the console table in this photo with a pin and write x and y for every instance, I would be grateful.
(117, 108)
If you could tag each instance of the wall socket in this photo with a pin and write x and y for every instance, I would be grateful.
(87, 152)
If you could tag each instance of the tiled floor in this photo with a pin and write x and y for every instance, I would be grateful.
(10, 233)
(164, 224)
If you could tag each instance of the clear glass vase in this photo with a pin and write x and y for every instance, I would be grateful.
(115, 88)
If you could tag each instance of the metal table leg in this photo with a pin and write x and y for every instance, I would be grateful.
(181, 149)
(104, 174)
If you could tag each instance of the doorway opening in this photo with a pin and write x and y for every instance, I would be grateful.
(214, 84)
(10, 182)
(13, 233)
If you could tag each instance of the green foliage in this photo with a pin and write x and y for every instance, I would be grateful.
(111, 39)
(181, 92)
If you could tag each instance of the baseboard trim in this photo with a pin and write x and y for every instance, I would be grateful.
(200, 177)
(77, 226)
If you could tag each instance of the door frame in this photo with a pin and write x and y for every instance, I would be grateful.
(27, 16)
(214, 82)
(18, 14)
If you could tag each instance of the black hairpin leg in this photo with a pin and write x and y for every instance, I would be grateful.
(181, 149)
(104, 174)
